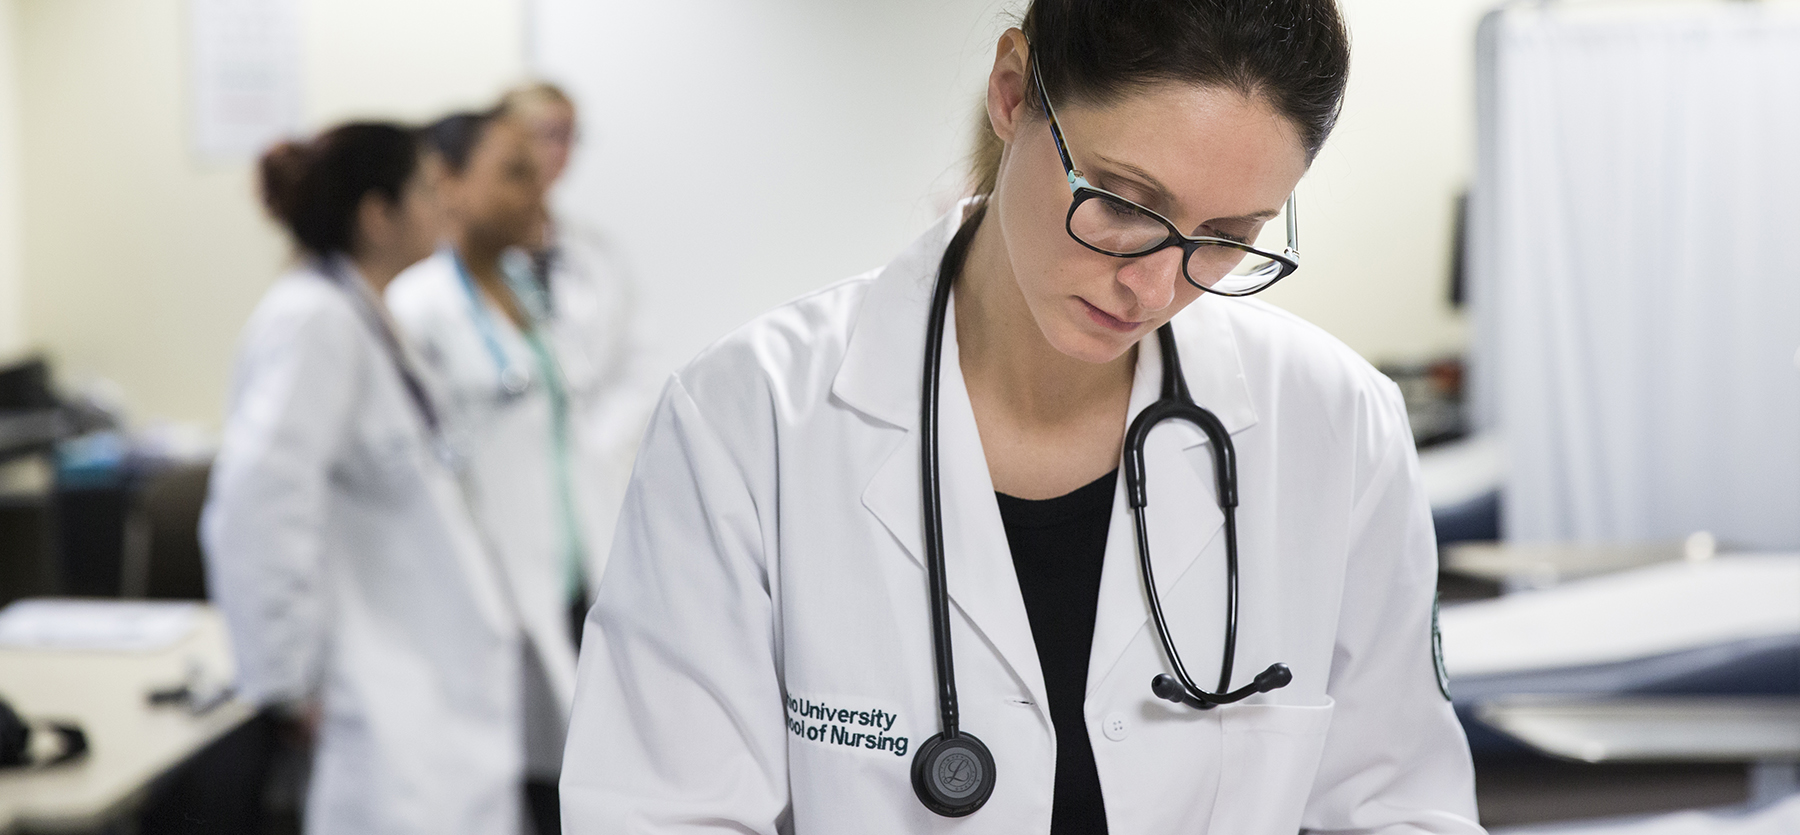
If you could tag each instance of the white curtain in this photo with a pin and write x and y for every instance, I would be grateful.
(1635, 269)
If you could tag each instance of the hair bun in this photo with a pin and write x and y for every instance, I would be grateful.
(283, 171)
(314, 187)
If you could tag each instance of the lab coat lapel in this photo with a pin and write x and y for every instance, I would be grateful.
(475, 556)
(880, 378)
(1183, 512)
(977, 556)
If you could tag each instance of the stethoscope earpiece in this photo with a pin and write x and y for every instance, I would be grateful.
(1277, 676)
(953, 775)
(1169, 688)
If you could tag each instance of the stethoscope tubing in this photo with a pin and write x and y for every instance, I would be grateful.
(510, 380)
(1177, 404)
(931, 503)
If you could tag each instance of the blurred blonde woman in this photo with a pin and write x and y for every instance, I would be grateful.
(592, 301)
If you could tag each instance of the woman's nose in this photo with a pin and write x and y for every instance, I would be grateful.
(1152, 278)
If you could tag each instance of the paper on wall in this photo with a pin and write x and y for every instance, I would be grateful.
(245, 75)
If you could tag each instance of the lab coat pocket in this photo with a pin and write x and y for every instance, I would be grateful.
(383, 464)
(1269, 755)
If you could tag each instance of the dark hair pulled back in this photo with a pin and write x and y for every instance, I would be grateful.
(1293, 54)
(455, 136)
(314, 187)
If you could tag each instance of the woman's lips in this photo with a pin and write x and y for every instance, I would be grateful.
(1107, 320)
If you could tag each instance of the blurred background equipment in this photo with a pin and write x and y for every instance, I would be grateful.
(88, 507)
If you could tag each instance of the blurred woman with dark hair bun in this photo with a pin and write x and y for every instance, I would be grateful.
(338, 541)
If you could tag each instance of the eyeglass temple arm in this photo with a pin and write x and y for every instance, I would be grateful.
(1293, 225)
(1062, 148)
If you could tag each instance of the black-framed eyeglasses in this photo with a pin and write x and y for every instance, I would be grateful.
(1113, 225)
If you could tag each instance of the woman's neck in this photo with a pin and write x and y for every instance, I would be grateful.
(482, 260)
(1049, 423)
(377, 269)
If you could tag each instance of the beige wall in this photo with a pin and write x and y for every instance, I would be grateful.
(1376, 209)
(12, 318)
(408, 59)
(141, 262)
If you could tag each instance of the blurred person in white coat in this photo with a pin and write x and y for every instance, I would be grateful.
(338, 542)
(928, 458)
(520, 379)
(592, 304)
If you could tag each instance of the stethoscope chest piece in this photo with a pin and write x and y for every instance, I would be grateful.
(953, 775)
(514, 381)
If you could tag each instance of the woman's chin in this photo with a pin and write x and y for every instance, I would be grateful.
(1089, 345)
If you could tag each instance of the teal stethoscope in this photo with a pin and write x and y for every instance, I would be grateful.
(512, 379)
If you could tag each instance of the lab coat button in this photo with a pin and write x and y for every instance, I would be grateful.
(1115, 727)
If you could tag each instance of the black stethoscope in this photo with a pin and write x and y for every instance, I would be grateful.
(953, 772)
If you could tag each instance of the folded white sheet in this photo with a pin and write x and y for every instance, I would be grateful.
(1619, 617)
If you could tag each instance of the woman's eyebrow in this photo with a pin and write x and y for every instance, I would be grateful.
(1161, 192)
(1165, 198)
(1254, 217)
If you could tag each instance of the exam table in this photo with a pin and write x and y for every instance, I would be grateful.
(96, 664)
(1779, 819)
(1725, 626)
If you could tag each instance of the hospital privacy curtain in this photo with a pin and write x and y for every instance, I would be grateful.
(1634, 269)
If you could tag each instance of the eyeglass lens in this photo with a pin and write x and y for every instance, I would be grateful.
(1120, 228)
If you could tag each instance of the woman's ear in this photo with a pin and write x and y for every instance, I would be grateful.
(1007, 83)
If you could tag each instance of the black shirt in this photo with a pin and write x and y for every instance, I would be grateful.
(1057, 549)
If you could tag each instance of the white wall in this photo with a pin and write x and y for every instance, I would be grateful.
(742, 153)
(141, 261)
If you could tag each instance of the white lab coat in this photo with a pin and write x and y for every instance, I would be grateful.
(343, 556)
(764, 614)
(603, 338)
(507, 444)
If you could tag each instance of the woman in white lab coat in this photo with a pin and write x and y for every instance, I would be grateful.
(763, 655)
(338, 543)
(515, 378)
